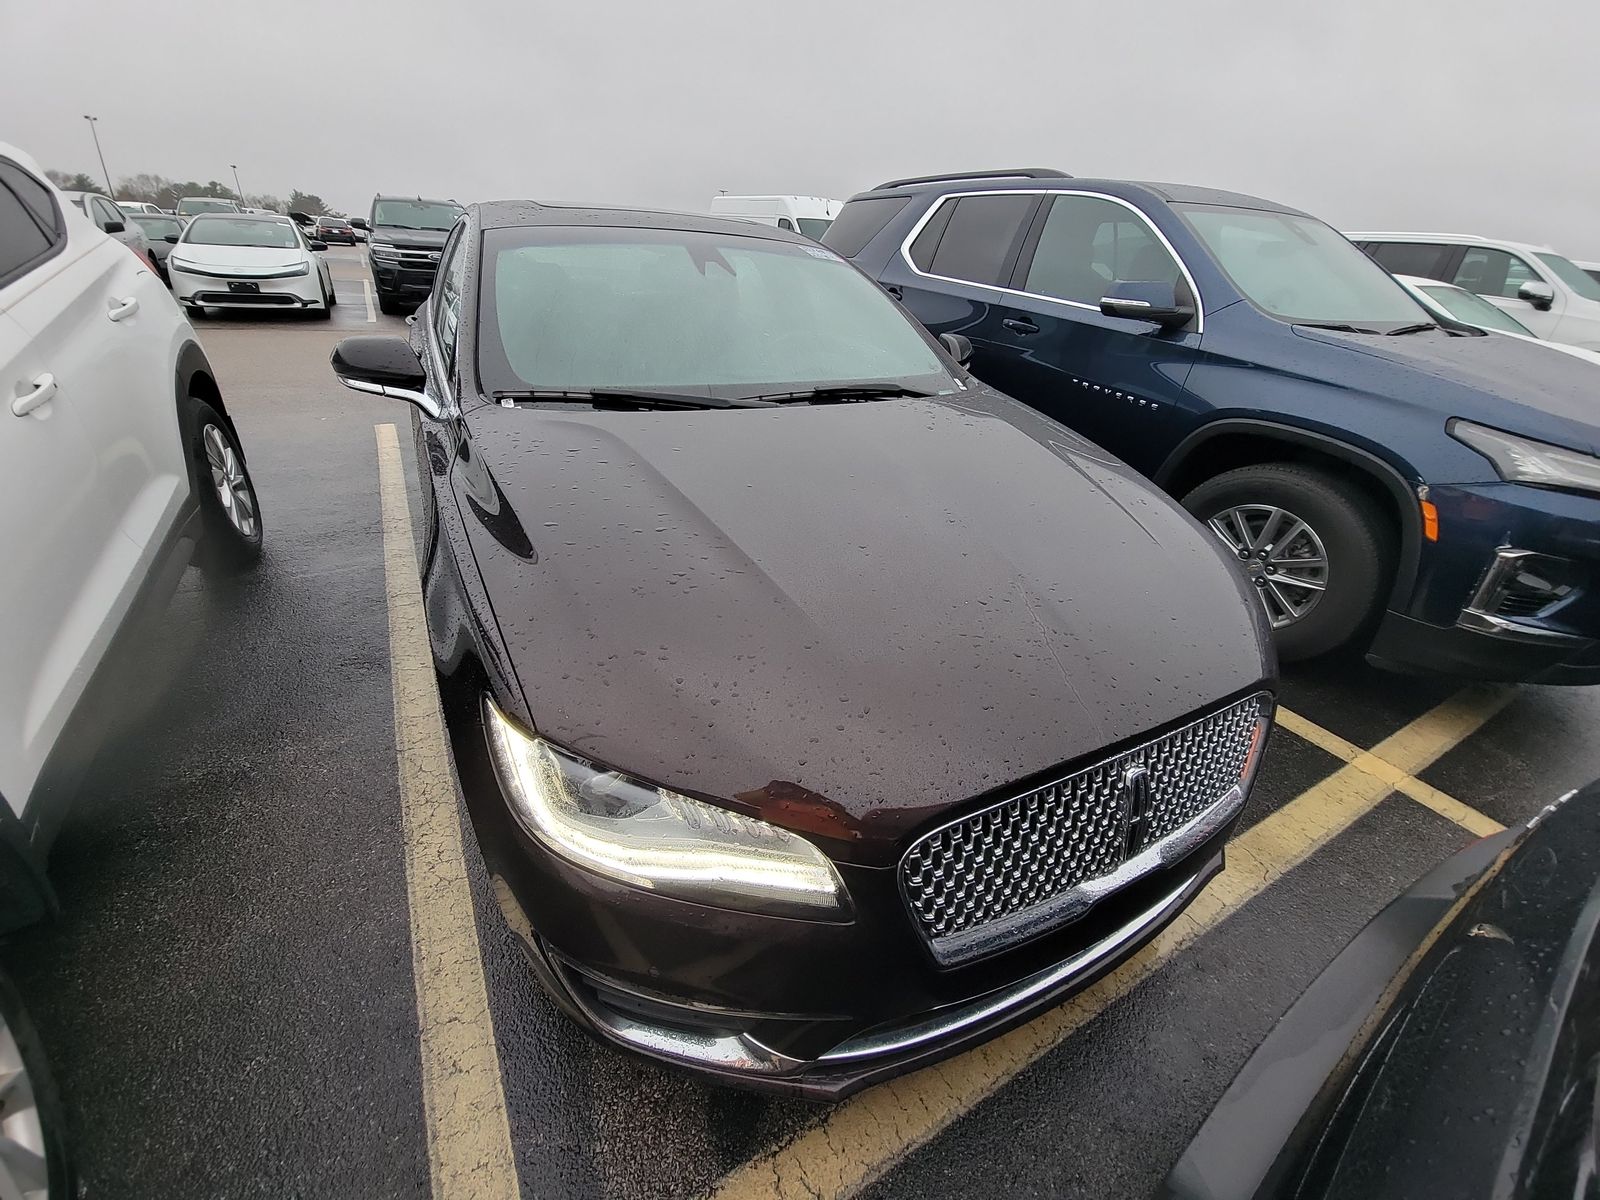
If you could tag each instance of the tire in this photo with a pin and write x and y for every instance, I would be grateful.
(333, 296)
(229, 546)
(1344, 530)
(389, 306)
(34, 1118)
(196, 313)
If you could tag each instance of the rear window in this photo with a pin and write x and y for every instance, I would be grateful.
(860, 221)
(1411, 258)
(979, 237)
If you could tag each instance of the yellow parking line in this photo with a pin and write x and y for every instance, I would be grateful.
(469, 1137)
(1445, 805)
(860, 1140)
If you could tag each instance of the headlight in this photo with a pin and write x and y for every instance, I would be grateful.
(1522, 460)
(382, 249)
(182, 264)
(658, 840)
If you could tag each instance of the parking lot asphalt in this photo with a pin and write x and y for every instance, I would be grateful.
(238, 998)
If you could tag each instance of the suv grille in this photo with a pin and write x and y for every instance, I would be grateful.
(1037, 860)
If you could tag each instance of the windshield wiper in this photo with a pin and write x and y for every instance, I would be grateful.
(1420, 327)
(1336, 326)
(844, 393)
(626, 398)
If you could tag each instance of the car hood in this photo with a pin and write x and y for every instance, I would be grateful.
(1510, 383)
(410, 239)
(249, 258)
(844, 618)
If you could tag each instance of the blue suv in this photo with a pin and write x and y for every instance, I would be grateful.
(1425, 492)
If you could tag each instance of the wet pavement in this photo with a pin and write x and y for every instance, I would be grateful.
(227, 995)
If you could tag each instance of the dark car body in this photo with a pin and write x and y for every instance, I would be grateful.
(1235, 385)
(156, 228)
(333, 229)
(1450, 1050)
(403, 259)
(865, 623)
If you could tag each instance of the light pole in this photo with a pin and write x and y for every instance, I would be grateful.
(109, 190)
(236, 186)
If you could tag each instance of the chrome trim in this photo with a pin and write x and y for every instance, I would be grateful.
(421, 399)
(1071, 904)
(243, 273)
(1479, 616)
(905, 248)
(996, 1004)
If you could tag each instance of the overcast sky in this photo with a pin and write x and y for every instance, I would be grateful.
(1460, 115)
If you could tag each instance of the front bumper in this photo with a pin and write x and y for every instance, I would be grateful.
(781, 1005)
(1469, 614)
(292, 292)
(406, 279)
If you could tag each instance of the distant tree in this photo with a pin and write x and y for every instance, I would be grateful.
(264, 201)
(309, 203)
(77, 182)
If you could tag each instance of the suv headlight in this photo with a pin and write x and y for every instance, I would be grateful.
(656, 839)
(1523, 460)
(382, 249)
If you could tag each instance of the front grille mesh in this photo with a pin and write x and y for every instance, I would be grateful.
(1023, 852)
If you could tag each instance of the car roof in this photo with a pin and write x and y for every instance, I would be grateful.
(1452, 239)
(265, 218)
(512, 214)
(1003, 181)
(413, 198)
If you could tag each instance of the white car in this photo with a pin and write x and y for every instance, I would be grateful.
(142, 206)
(109, 216)
(118, 463)
(244, 260)
(810, 215)
(1447, 301)
(1548, 293)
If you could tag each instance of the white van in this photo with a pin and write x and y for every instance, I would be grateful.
(810, 215)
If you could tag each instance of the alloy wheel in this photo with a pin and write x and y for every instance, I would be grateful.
(227, 475)
(24, 1170)
(1280, 554)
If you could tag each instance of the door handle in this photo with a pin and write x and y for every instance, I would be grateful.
(44, 391)
(123, 308)
(1022, 327)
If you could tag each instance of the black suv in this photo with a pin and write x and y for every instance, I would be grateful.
(405, 236)
(1423, 491)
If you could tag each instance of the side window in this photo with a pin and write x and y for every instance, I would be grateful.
(785, 223)
(447, 296)
(27, 234)
(1087, 243)
(1410, 258)
(1492, 272)
(859, 221)
(104, 214)
(978, 237)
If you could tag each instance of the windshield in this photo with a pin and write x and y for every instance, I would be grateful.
(1571, 274)
(185, 207)
(1301, 270)
(1473, 309)
(415, 214)
(156, 227)
(576, 309)
(814, 227)
(240, 231)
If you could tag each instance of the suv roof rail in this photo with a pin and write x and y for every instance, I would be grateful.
(1007, 173)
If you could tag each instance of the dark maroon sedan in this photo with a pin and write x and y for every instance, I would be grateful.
(333, 229)
(822, 710)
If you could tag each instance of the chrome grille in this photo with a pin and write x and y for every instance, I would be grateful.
(1039, 859)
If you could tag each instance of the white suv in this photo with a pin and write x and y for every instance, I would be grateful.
(1548, 293)
(118, 461)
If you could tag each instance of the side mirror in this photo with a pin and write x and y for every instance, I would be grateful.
(316, 245)
(171, 237)
(114, 226)
(1146, 301)
(957, 346)
(383, 366)
(1537, 293)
